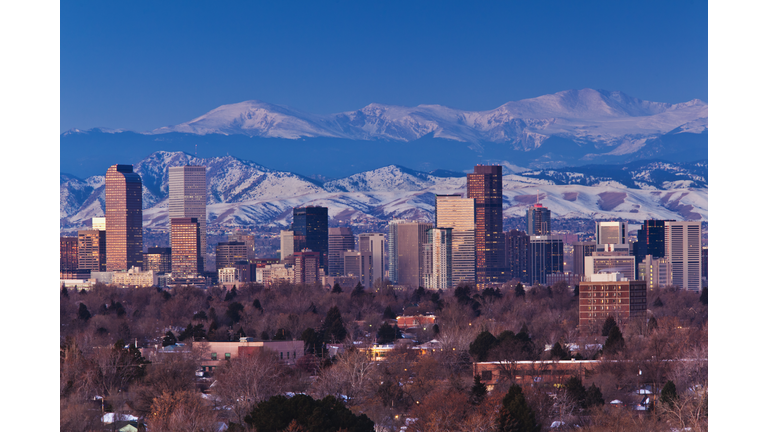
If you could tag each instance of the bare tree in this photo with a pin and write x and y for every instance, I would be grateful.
(351, 378)
(182, 411)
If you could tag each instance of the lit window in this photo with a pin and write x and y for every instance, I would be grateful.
(226, 356)
(213, 356)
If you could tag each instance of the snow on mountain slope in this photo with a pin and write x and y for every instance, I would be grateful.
(608, 119)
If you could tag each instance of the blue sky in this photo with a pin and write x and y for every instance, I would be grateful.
(142, 65)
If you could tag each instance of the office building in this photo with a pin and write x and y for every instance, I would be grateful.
(286, 244)
(545, 257)
(581, 250)
(654, 271)
(187, 195)
(537, 220)
(683, 250)
(705, 262)
(340, 240)
(485, 187)
(310, 228)
(406, 245)
(517, 244)
(359, 265)
(158, 259)
(186, 260)
(453, 211)
(375, 243)
(650, 239)
(609, 262)
(92, 250)
(134, 277)
(306, 267)
(67, 253)
(123, 201)
(610, 295)
(438, 253)
(230, 253)
(249, 240)
(612, 233)
(99, 223)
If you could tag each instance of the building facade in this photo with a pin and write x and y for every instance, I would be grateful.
(250, 243)
(134, 277)
(537, 220)
(306, 267)
(517, 245)
(359, 265)
(484, 185)
(598, 299)
(310, 227)
(545, 256)
(602, 262)
(286, 244)
(68, 259)
(406, 242)
(92, 250)
(230, 253)
(612, 233)
(340, 240)
(123, 202)
(683, 250)
(581, 250)
(453, 211)
(438, 251)
(159, 260)
(186, 260)
(376, 244)
(187, 196)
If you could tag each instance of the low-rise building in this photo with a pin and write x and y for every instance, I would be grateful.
(530, 372)
(134, 277)
(214, 354)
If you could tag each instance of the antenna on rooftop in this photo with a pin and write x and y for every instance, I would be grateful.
(537, 196)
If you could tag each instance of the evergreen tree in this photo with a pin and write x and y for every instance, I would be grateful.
(652, 324)
(83, 313)
(257, 305)
(615, 341)
(658, 302)
(231, 294)
(609, 323)
(576, 290)
(240, 334)
(169, 339)
(187, 333)
(519, 290)
(436, 329)
(558, 353)
(336, 289)
(233, 312)
(418, 294)
(333, 327)
(64, 292)
(668, 394)
(359, 291)
(388, 314)
(515, 415)
(477, 392)
(462, 294)
(594, 396)
(482, 344)
(575, 391)
(264, 335)
(313, 342)
(703, 298)
(200, 316)
(386, 334)
(307, 414)
(281, 335)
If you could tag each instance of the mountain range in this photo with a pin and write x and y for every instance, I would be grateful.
(243, 193)
(565, 129)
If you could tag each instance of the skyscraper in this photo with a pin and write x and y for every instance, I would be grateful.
(187, 194)
(612, 233)
(406, 245)
(537, 220)
(375, 244)
(485, 187)
(340, 240)
(683, 251)
(358, 264)
(92, 250)
(124, 218)
(545, 257)
(286, 244)
(68, 253)
(186, 260)
(453, 211)
(437, 259)
(310, 226)
(249, 240)
(581, 250)
(230, 253)
(516, 246)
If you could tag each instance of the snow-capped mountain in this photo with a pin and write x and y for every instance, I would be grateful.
(243, 193)
(608, 119)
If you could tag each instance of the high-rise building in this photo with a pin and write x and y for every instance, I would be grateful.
(545, 257)
(306, 267)
(187, 195)
(537, 220)
(249, 240)
(230, 253)
(158, 259)
(92, 250)
(612, 233)
(286, 244)
(654, 271)
(310, 227)
(683, 250)
(611, 262)
(650, 239)
(485, 187)
(705, 262)
(453, 211)
(606, 296)
(123, 201)
(186, 260)
(340, 240)
(517, 244)
(437, 259)
(68, 253)
(360, 265)
(375, 243)
(582, 250)
(99, 223)
(406, 245)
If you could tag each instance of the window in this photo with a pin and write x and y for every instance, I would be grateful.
(281, 355)
(486, 375)
(226, 356)
(213, 356)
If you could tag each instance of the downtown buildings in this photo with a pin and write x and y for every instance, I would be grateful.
(123, 213)
(485, 187)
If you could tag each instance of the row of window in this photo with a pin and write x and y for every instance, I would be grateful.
(227, 356)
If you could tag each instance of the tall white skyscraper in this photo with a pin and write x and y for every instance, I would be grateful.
(376, 244)
(187, 194)
(286, 244)
(453, 211)
(437, 259)
(682, 241)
